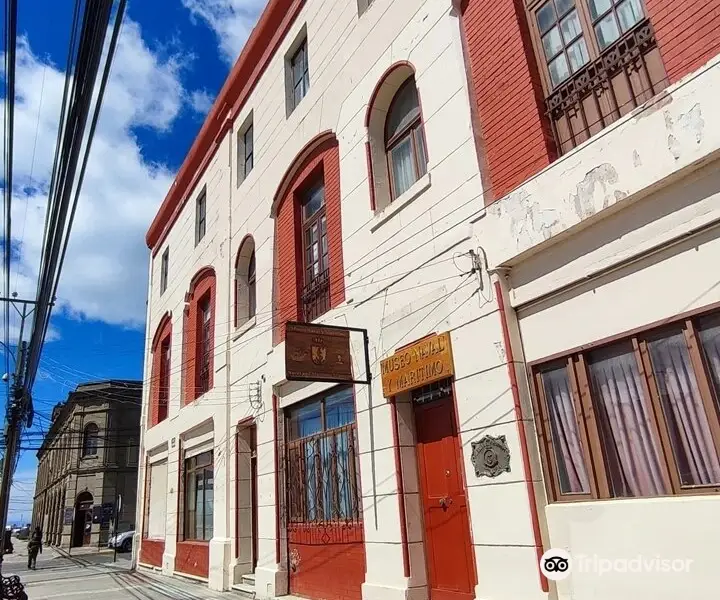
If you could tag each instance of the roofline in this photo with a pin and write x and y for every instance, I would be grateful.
(80, 391)
(268, 33)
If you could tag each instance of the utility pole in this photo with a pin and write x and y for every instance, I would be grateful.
(19, 412)
(16, 412)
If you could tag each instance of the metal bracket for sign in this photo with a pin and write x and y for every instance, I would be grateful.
(366, 344)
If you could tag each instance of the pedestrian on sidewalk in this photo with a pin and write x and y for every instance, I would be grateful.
(34, 547)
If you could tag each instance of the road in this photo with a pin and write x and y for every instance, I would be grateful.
(95, 577)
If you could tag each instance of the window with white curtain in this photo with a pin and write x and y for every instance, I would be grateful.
(405, 139)
(639, 417)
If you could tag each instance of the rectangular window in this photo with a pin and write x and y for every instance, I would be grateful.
(635, 418)
(200, 217)
(322, 458)
(248, 146)
(299, 75)
(205, 347)
(156, 501)
(164, 270)
(599, 59)
(316, 289)
(164, 383)
(198, 499)
(245, 150)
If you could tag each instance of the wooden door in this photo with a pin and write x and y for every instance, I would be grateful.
(448, 550)
(82, 525)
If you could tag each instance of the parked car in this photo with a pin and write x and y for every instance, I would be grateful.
(122, 541)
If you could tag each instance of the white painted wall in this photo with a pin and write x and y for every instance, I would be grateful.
(403, 269)
(640, 203)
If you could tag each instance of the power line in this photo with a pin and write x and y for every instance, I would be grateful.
(81, 101)
(8, 144)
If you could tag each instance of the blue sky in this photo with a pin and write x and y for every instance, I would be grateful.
(172, 59)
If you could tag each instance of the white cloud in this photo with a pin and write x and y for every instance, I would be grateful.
(21, 497)
(201, 101)
(105, 272)
(231, 20)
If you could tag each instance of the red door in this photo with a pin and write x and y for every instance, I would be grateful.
(449, 556)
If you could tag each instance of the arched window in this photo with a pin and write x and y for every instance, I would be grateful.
(198, 336)
(405, 139)
(90, 440)
(245, 283)
(252, 297)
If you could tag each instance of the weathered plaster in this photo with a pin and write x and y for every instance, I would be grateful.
(684, 128)
(671, 133)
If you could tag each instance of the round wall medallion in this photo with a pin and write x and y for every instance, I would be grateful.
(490, 456)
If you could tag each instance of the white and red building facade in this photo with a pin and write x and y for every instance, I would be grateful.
(534, 182)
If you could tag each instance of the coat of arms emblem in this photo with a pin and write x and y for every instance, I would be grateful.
(318, 351)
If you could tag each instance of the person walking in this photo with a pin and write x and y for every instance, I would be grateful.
(34, 547)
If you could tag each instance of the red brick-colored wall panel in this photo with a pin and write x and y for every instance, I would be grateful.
(164, 331)
(331, 161)
(193, 558)
(151, 552)
(288, 261)
(330, 561)
(506, 87)
(203, 286)
(688, 33)
(325, 160)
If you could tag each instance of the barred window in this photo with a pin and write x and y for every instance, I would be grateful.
(598, 60)
(323, 468)
(315, 294)
(205, 346)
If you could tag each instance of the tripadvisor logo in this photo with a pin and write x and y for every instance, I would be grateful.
(556, 564)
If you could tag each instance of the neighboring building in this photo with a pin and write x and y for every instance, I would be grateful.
(88, 458)
(535, 185)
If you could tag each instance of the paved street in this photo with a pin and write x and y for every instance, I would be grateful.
(86, 575)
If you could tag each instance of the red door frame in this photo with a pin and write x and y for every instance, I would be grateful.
(452, 403)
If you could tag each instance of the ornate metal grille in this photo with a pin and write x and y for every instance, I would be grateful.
(323, 478)
(316, 296)
(624, 76)
(322, 471)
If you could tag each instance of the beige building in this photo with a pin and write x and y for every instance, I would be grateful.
(519, 203)
(88, 459)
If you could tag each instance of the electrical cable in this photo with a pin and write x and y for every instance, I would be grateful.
(8, 146)
(90, 49)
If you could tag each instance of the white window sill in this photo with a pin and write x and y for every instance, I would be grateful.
(244, 328)
(416, 190)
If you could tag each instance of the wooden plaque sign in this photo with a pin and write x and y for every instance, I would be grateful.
(317, 353)
(425, 362)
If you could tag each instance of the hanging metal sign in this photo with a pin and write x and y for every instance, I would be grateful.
(320, 353)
